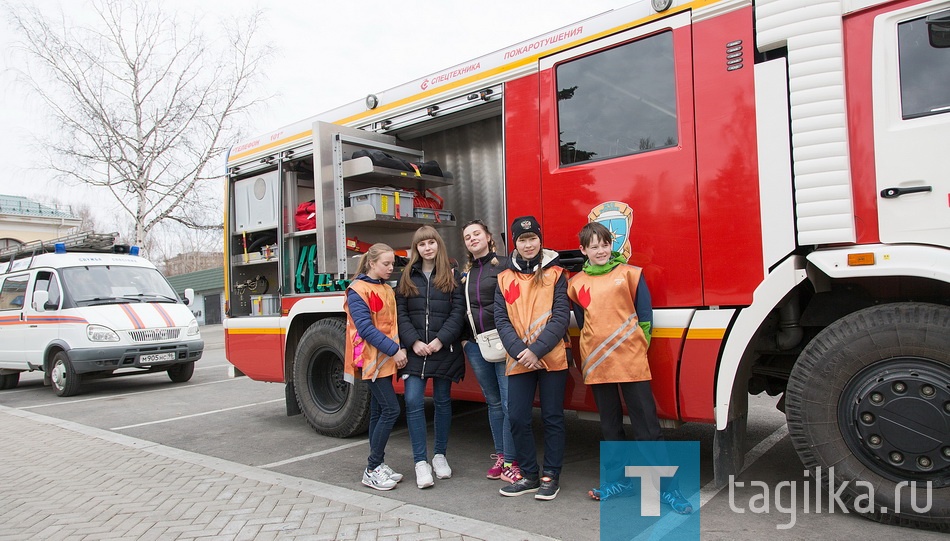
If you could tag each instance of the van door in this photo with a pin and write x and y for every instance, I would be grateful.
(618, 147)
(911, 94)
(12, 300)
(41, 328)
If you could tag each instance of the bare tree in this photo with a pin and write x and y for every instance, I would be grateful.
(145, 105)
(179, 250)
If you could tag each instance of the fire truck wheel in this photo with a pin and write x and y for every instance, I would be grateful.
(870, 397)
(9, 381)
(332, 406)
(181, 373)
(65, 380)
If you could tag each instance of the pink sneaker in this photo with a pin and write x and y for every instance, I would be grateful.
(495, 471)
(512, 473)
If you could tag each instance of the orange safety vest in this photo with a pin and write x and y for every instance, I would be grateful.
(613, 346)
(529, 309)
(382, 306)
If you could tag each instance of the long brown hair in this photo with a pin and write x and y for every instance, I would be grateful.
(491, 245)
(443, 276)
(371, 256)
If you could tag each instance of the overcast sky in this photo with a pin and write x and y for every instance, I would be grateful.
(329, 53)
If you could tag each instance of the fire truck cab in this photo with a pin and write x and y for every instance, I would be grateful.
(777, 168)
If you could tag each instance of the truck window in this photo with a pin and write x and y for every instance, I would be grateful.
(46, 281)
(13, 292)
(617, 102)
(925, 79)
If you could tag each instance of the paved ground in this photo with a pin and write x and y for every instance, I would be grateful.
(63, 480)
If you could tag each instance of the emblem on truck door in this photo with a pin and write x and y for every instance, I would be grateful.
(617, 217)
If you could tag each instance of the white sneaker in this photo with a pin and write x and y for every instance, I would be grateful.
(441, 467)
(390, 473)
(423, 474)
(378, 479)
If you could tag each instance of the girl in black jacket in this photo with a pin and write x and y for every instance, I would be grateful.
(481, 279)
(430, 308)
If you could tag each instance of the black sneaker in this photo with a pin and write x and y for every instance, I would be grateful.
(549, 487)
(522, 485)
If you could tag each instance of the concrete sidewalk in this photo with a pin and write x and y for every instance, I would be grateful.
(62, 480)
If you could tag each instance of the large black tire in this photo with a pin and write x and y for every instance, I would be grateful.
(65, 380)
(870, 396)
(9, 381)
(332, 406)
(181, 373)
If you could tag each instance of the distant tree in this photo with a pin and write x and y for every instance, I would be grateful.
(145, 104)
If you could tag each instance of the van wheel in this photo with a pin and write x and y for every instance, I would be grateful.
(181, 373)
(870, 397)
(332, 406)
(65, 380)
(9, 381)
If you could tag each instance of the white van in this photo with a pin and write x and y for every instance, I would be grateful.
(77, 315)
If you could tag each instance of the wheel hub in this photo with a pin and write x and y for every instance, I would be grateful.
(328, 389)
(895, 417)
(58, 375)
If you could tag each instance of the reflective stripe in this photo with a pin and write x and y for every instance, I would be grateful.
(624, 328)
(378, 366)
(530, 335)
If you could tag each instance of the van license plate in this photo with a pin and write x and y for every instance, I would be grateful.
(156, 358)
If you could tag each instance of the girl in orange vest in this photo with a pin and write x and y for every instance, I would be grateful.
(532, 313)
(373, 353)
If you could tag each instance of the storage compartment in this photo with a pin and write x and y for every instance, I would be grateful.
(384, 200)
(436, 215)
(255, 203)
(265, 305)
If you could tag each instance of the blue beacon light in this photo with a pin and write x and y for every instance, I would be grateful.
(60, 247)
(134, 250)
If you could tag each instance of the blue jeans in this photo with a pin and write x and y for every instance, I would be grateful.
(416, 414)
(550, 387)
(494, 383)
(384, 411)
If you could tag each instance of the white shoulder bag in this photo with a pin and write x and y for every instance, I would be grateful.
(489, 343)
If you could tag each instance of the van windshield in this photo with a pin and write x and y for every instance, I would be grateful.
(101, 284)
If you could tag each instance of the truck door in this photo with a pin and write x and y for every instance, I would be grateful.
(911, 96)
(617, 146)
(41, 327)
(12, 300)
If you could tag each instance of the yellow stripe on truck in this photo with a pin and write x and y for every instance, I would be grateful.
(256, 331)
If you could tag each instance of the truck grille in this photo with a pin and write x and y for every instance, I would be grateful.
(155, 335)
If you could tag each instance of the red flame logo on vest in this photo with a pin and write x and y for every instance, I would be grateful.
(375, 303)
(583, 296)
(512, 293)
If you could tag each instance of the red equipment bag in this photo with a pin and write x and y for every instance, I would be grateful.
(306, 216)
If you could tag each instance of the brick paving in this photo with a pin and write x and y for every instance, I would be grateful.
(65, 481)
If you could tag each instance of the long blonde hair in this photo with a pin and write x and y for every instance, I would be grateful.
(443, 276)
(371, 256)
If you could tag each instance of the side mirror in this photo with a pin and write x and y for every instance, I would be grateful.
(189, 296)
(938, 29)
(40, 298)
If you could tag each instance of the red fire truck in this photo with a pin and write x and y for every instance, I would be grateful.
(779, 169)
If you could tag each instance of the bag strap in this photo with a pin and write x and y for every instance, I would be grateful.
(468, 306)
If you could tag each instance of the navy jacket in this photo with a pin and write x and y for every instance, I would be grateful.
(556, 328)
(364, 320)
(432, 314)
